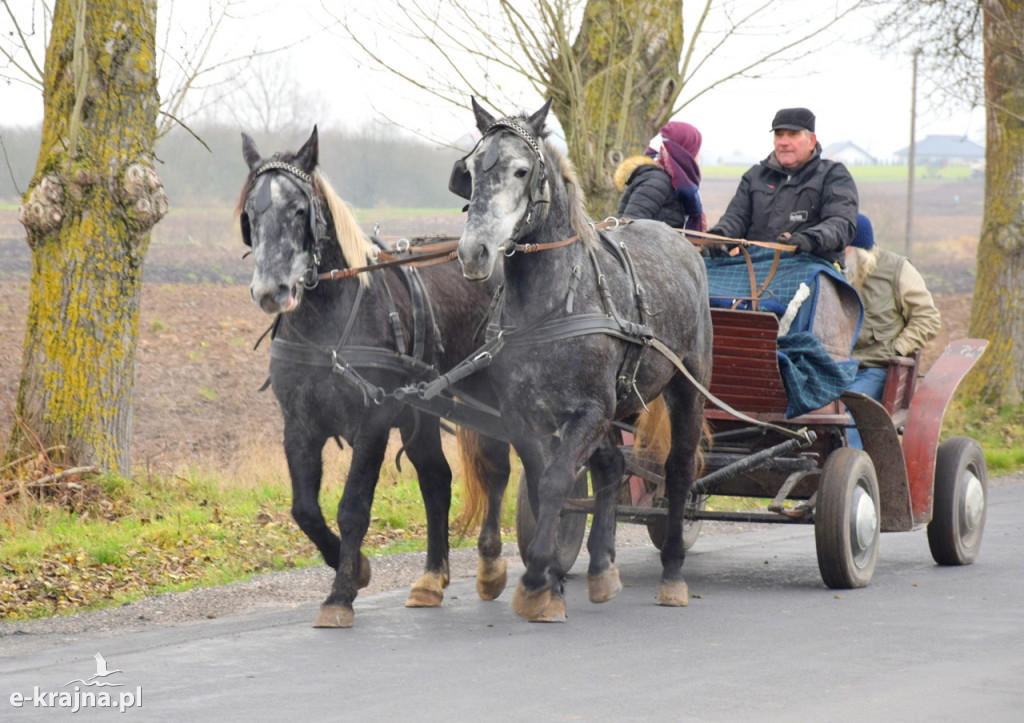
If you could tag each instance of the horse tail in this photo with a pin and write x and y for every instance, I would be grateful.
(654, 435)
(477, 471)
(653, 431)
(706, 440)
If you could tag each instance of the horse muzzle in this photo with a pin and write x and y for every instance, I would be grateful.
(276, 299)
(477, 260)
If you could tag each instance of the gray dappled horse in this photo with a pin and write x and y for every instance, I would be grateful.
(576, 319)
(340, 347)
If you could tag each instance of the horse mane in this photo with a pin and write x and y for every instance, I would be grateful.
(576, 199)
(355, 247)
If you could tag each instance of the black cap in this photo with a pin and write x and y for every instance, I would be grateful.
(794, 119)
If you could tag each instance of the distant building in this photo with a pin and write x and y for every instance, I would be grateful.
(944, 150)
(848, 153)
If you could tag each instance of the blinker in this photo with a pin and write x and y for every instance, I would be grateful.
(461, 182)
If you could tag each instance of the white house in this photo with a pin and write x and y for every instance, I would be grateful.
(848, 153)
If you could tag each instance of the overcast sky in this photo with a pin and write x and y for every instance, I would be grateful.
(857, 94)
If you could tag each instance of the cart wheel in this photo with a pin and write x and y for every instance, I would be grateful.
(958, 511)
(691, 527)
(571, 527)
(846, 525)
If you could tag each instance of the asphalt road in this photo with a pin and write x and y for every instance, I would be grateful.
(762, 639)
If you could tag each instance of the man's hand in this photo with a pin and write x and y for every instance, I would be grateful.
(802, 243)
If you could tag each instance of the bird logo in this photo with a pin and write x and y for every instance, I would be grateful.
(101, 672)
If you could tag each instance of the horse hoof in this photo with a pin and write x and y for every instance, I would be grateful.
(427, 592)
(554, 611)
(491, 578)
(334, 616)
(605, 586)
(364, 572)
(673, 594)
(530, 605)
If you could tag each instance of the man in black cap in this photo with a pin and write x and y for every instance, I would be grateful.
(794, 195)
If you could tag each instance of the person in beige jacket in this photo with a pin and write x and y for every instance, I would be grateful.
(899, 314)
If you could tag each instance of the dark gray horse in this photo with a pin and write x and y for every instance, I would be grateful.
(340, 347)
(582, 321)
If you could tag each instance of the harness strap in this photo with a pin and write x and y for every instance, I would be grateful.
(481, 359)
(394, 318)
(703, 238)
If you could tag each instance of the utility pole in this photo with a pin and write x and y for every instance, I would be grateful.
(911, 156)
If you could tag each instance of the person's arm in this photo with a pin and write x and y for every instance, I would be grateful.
(645, 197)
(839, 202)
(918, 309)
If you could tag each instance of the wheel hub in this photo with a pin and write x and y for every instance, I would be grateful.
(865, 521)
(973, 503)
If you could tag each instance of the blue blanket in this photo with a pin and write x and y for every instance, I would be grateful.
(812, 376)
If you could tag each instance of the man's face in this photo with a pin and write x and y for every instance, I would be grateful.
(793, 148)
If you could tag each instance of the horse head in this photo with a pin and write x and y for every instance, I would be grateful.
(283, 222)
(507, 179)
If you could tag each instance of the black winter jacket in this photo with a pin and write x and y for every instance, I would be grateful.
(649, 194)
(816, 203)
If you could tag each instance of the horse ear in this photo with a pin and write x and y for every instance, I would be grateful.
(308, 156)
(537, 119)
(483, 118)
(249, 152)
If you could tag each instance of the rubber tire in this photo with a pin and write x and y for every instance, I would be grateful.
(956, 460)
(571, 527)
(848, 473)
(691, 528)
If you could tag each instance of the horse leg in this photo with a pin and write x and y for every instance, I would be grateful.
(305, 468)
(539, 595)
(685, 411)
(353, 521)
(423, 446)
(546, 602)
(491, 460)
(606, 471)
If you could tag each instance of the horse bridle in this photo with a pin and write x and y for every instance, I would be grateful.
(537, 184)
(317, 222)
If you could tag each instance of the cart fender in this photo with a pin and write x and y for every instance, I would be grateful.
(924, 420)
(882, 443)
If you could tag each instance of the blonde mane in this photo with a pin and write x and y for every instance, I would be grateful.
(355, 247)
(577, 199)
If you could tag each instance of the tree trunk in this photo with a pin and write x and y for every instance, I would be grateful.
(88, 215)
(997, 311)
(619, 89)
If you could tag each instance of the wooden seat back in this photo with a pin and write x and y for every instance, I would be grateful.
(745, 372)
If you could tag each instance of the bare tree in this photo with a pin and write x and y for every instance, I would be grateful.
(974, 53)
(92, 203)
(95, 196)
(616, 69)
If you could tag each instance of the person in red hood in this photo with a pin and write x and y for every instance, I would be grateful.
(664, 183)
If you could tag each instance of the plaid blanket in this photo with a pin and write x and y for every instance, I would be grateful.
(812, 377)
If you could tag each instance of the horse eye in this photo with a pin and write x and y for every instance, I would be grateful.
(520, 172)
